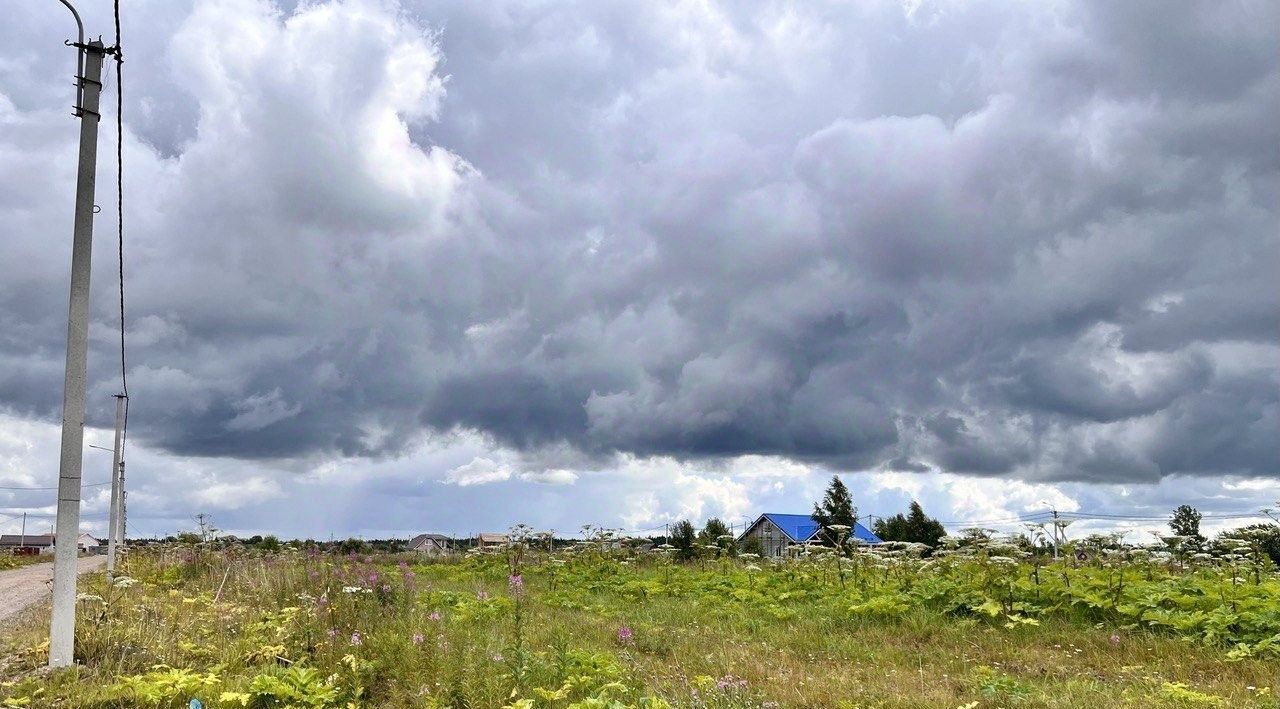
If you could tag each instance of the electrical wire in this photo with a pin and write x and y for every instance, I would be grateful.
(1031, 517)
(1037, 517)
(37, 515)
(124, 375)
(1154, 518)
(124, 370)
(16, 488)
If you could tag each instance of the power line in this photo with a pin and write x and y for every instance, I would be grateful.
(1031, 517)
(122, 413)
(1155, 518)
(1037, 517)
(94, 515)
(14, 487)
(1121, 515)
(119, 55)
(124, 372)
(145, 533)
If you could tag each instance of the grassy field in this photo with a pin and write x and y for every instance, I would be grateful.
(597, 627)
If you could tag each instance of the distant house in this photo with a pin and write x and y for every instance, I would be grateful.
(27, 543)
(43, 543)
(486, 540)
(430, 545)
(777, 532)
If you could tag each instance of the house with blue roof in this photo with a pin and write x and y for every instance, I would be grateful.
(777, 532)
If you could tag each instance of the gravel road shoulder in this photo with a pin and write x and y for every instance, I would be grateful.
(24, 587)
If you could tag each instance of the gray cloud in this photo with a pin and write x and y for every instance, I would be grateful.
(1029, 241)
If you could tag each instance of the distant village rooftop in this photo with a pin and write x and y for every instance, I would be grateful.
(777, 531)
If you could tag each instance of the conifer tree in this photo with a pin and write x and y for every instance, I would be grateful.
(836, 507)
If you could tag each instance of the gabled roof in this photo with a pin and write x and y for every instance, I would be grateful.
(799, 528)
(422, 539)
(802, 528)
(864, 535)
(31, 540)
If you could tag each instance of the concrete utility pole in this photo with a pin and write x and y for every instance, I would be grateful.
(1056, 530)
(1055, 535)
(124, 507)
(63, 625)
(117, 489)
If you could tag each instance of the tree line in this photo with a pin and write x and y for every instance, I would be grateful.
(835, 511)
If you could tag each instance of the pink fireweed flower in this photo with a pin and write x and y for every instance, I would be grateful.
(418, 638)
(625, 635)
(355, 639)
(403, 566)
(386, 588)
(497, 657)
(730, 682)
(482, 595)
(373, 578)
(435, 615)
(1115, 639)
(333, 632)
(515, 583)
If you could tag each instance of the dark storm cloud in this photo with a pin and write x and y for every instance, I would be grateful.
(1031, 240)
(1056, 382)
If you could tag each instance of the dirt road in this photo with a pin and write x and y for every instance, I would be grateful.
(22, 587)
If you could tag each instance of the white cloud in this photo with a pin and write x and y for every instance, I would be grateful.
(559, 476)
(994, 498)
(667, 490)
(767, 468)
(480, 471)
(235, 495)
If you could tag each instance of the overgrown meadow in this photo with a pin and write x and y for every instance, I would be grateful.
(602, 625)
(9, 561)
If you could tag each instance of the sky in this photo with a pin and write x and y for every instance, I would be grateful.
(447, 266)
